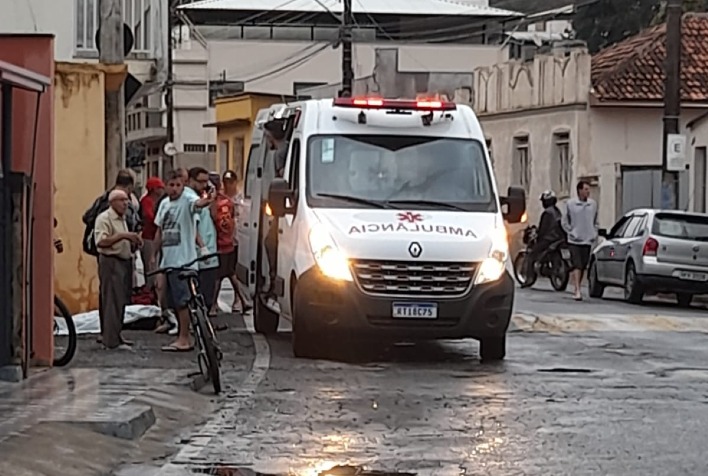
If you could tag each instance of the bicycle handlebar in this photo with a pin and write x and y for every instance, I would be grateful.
(184, 267)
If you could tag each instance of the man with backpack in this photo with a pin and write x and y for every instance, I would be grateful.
(125, 182)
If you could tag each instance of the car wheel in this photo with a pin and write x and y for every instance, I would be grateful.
(492, 348)
(684, 299)
(305, 343)
(595, 288)
(633, 291)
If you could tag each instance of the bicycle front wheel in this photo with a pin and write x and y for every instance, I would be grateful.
(64, 346)
(210, 349)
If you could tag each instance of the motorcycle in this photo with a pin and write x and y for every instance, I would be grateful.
(554, 264)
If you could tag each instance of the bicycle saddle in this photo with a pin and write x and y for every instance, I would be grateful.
(188, 274)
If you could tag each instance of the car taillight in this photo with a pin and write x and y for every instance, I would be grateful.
(651, 246)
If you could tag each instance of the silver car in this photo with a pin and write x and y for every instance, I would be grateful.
(653, 251)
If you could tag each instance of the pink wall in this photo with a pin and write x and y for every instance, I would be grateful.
(36, 53)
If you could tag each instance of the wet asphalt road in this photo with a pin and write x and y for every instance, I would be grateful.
(565, 402)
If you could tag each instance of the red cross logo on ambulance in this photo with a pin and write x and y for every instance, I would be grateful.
(410, 217)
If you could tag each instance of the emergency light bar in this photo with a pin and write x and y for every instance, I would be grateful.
(397, 104)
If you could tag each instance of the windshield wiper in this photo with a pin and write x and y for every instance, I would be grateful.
(430, 203)
(361, 201)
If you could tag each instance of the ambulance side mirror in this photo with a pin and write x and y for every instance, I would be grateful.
(515, 203)
(281, 198)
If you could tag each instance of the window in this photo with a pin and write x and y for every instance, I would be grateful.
(194, 148)
(87, 17)
(224, 88)
(686, 227)
(561, 165)
(211, 148)
(252, 170)
(635, 227)
(137, 14)
(521, 166)
(367, 170)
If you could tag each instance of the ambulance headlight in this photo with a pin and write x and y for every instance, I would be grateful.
(331, 261)
(492, 268)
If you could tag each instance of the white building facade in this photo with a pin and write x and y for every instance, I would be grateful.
(235, 46)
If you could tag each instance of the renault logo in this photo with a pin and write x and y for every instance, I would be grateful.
(415, 249)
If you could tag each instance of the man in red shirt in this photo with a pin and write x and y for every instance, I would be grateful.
(224, 213)
(155, 190)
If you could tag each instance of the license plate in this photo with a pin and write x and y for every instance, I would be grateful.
(418, 310)
(691, 276)
(565, 254)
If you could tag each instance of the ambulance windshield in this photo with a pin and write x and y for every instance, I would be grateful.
(387, 169)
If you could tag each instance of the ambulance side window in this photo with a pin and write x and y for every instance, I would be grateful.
(251, 170)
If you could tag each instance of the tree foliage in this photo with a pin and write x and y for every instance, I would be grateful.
(603, 23)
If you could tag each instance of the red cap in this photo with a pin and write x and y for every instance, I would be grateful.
(154, 183)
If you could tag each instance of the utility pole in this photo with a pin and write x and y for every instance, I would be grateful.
(346, 37)
(169, 84)
(112, 53)
(672, 100)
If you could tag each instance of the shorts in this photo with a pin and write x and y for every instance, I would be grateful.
(227, 264)
(579, 256)
(178, 293)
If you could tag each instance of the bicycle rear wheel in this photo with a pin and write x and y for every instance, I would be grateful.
(210, 348)
(67, 349)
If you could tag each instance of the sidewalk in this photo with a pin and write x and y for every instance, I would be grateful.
(112, 407)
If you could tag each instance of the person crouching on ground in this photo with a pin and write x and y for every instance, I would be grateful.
(116, 247)
(176, 236)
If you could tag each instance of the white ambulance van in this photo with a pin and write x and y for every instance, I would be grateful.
(389, 226)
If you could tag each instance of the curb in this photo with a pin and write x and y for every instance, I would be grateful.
(128, 422)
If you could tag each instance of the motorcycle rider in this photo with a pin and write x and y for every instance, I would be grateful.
(549, 231)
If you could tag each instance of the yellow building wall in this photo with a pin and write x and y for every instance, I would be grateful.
(244, 107)
(78, 177)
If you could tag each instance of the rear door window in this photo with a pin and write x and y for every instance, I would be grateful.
(680, 226)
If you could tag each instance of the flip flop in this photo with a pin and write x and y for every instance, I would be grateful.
(578, 298)
(212, 314)
(162, 328)
(174, 348)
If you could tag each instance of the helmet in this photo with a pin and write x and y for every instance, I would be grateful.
(548, 198)
(548, 195)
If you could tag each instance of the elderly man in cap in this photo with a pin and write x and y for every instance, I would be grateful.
(116, 247)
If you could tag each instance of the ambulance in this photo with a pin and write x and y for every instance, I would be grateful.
(389, 226)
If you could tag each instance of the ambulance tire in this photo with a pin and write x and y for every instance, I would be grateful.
(305, 343)
(264, 319)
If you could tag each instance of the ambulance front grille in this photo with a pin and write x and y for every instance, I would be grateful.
(413, 278)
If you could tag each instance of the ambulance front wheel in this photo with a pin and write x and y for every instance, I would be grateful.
(264, 319)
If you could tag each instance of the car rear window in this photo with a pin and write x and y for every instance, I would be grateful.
(687, 227)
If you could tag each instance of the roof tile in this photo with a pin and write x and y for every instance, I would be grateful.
(633, 70)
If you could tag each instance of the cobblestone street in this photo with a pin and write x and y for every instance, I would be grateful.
(588, 399)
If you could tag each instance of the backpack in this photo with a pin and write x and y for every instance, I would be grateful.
(89, 219)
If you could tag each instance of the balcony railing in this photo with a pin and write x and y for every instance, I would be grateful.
(144, 125)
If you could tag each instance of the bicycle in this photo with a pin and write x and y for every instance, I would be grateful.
(62, 312)
(209, 354)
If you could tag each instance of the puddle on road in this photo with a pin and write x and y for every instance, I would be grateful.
(224, 470)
